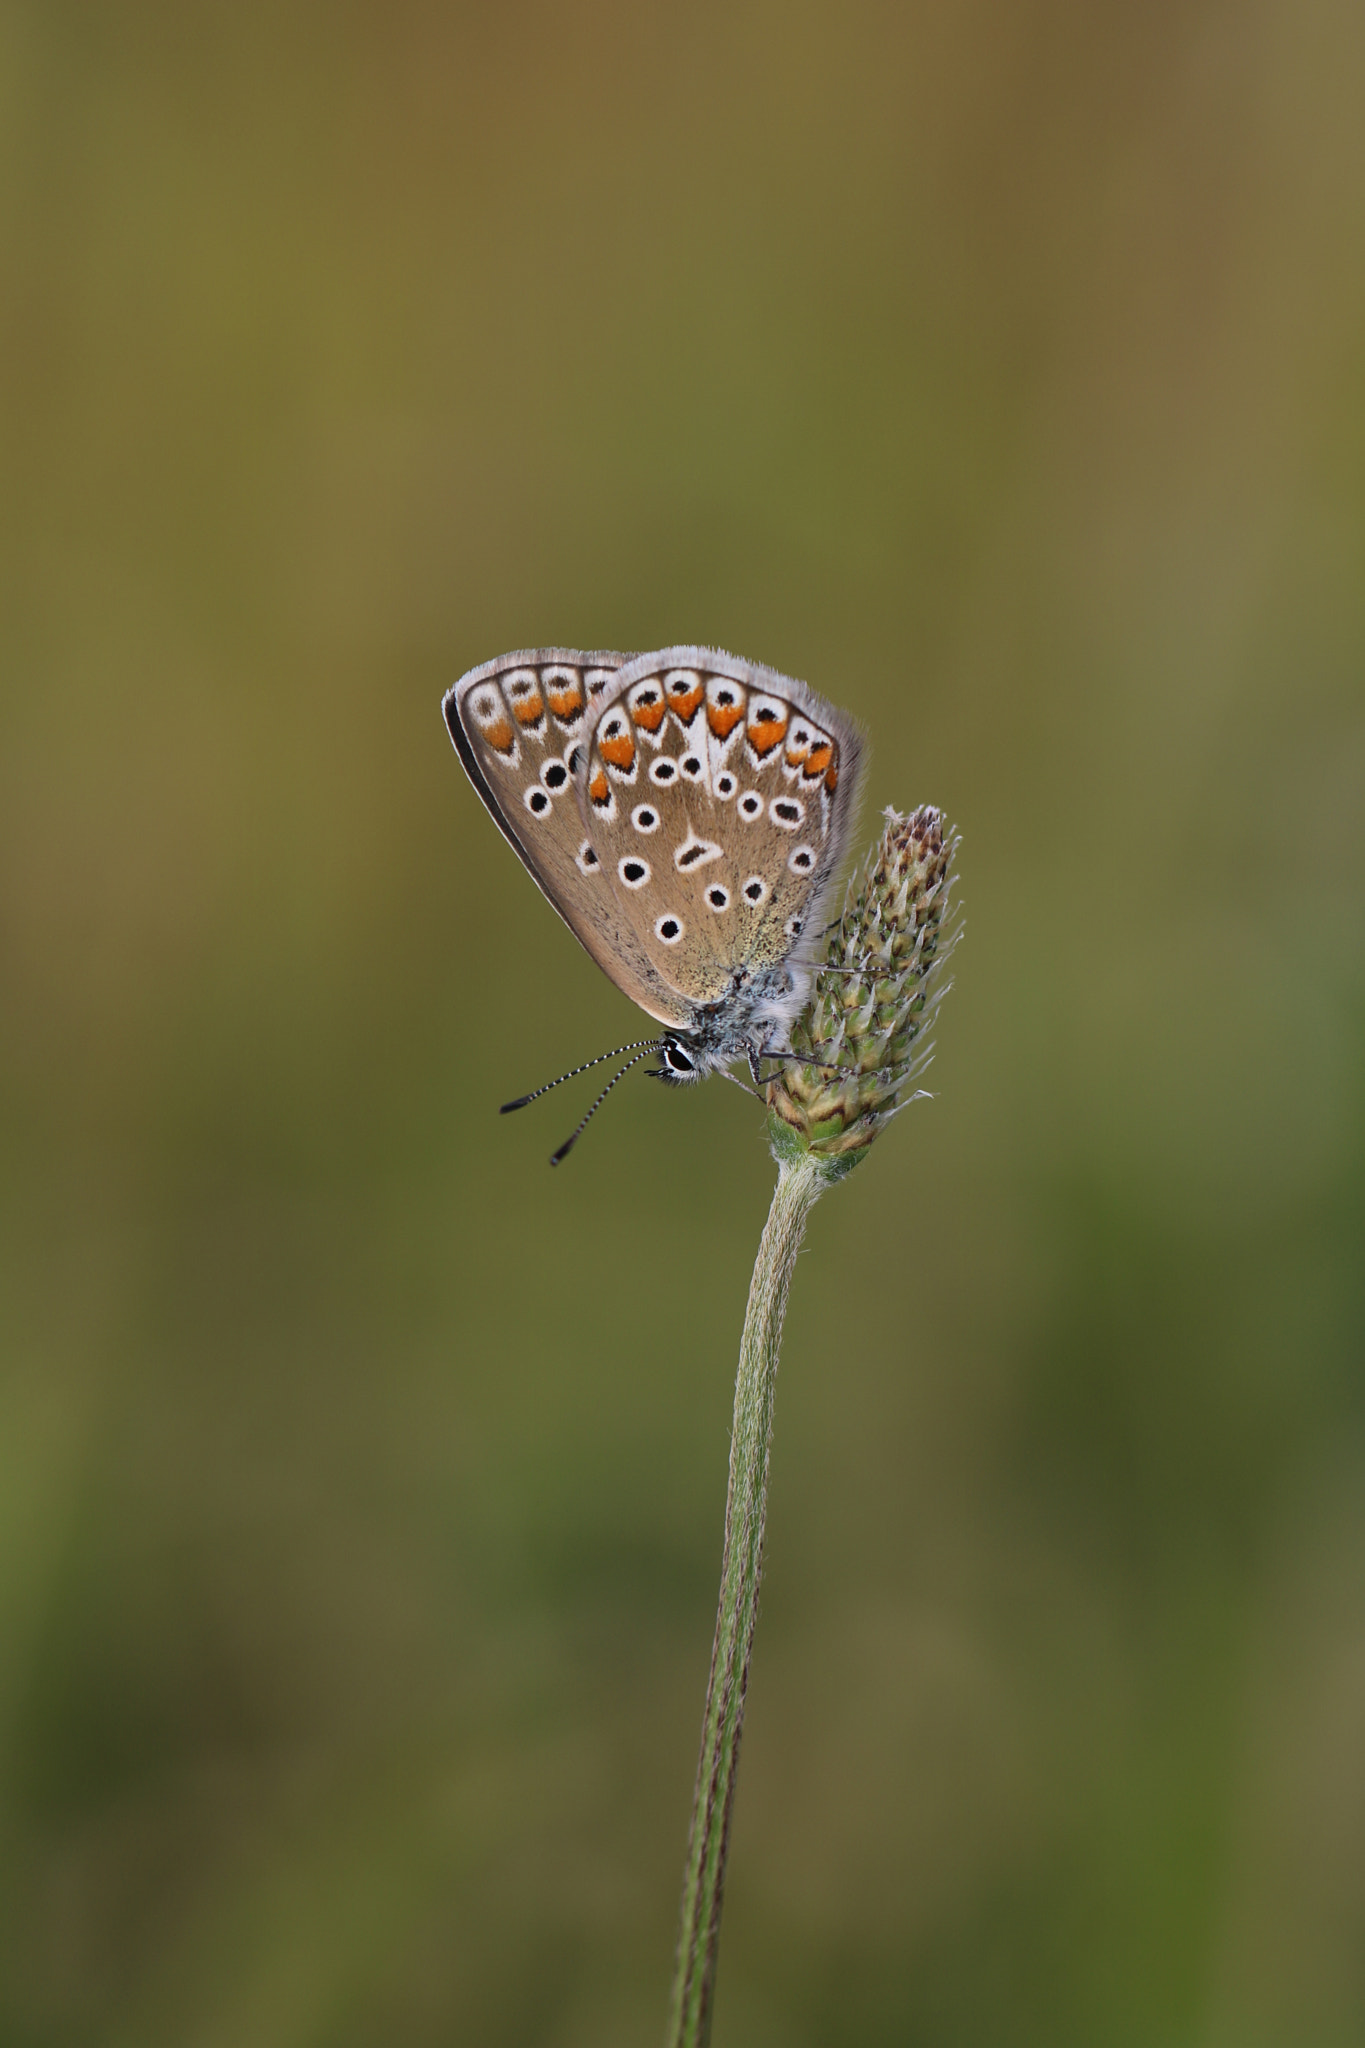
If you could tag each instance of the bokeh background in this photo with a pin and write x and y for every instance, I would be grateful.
(1001, 370)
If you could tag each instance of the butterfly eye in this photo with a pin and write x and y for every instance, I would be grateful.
(633, 872)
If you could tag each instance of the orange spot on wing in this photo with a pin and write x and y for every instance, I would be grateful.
(566, 699)
(619, 752)
(599, 788)
(723, 718)
(818, 759)
(832, 777)
(767, 733)
(500, 736)
(528, 710)
(651, 716)
(685, 702)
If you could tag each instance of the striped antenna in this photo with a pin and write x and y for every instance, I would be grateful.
(648, 1044)
(647, 1047)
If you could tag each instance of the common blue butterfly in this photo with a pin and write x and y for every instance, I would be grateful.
(686, 813)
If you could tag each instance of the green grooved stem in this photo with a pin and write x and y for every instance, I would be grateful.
(801, 1180)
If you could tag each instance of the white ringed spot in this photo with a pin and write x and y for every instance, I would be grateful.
(751, 805)
(554, 775)
(663, 771)
(787, 813)
(801, 859)
(695, 853)
(756, 890)
(669, 928)
(645, 818)
(718, 896)
(536, 801)
(633, 871)
(585, 860)
(725, 785)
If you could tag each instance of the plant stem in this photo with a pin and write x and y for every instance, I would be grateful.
(800, 1181)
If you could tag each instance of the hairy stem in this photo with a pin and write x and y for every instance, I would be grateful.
(801, 1179)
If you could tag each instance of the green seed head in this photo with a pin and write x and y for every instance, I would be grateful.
(863, 1028)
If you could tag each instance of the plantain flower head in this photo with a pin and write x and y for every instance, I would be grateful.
(859, 1044)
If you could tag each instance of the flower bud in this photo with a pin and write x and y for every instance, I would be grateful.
(859, 1043)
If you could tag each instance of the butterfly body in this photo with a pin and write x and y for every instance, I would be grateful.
(685, 812)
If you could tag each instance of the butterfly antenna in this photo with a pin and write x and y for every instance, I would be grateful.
(648, 1046)
(522, 1100)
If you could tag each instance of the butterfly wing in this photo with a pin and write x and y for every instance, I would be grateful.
(718, 797)
(519, 726)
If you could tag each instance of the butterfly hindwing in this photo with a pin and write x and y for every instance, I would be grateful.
(717, 796)
(519, 725)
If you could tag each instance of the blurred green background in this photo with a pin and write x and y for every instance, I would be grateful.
(1001, 370)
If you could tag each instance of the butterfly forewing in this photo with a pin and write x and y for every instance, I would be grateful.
(715, 795)
(520, 726)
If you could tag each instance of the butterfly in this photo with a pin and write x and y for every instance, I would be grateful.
(686, 813)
